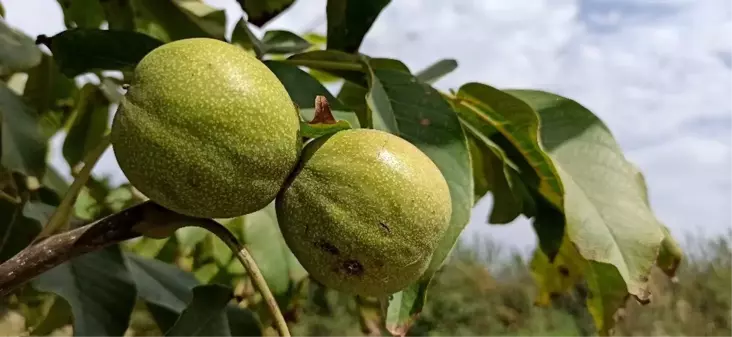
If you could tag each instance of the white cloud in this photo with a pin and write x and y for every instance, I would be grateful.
(657, 72)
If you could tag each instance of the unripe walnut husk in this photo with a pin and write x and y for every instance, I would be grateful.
(364, 211)
(206, 130)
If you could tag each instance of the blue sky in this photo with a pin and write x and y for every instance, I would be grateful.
(659, 73)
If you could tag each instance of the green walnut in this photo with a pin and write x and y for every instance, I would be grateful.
(206, 130)
(364, 211)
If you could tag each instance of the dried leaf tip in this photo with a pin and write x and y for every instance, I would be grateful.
(323, 115)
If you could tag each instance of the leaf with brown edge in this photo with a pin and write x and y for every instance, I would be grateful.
(670, 254)
(322, 112)
(607, 216)
(303, 88)
(323, 123)
(558, 275)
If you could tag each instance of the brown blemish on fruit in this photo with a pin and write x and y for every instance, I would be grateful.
(328, 247)
(385, 227)
(353, 267)
(564, 271)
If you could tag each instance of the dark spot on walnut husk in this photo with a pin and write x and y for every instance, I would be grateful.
(328, 247)
(564, 271)
(352, 267)
(385, 227)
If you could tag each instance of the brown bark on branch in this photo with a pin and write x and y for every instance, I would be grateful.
(55, 250)
(149, 218)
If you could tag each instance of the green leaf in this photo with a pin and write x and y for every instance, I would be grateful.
(19, 52)
(670, 255)
(318, 130)
(82, 13)
(557, 276)
(317, 41)
(221, 252)
(19, 225)
(437, 70)
(337, 63)
(492, 170)
(518, 123)
(78, 51)
(22, 146)
(382, 116)
(51, 94)
(283, 42)
(349, 21)
(119, 14)
(167, 290)
(354, 97)
(243, 37)
(211, 19)
(205, 314)
(179, 19)
(421, 116)
(58, 315)
(89, 126)
(160, 283)
(206, 272)
(189, 237)
(303, 89)
(53, 181)
(98, 288)
(268, 248)
(481, 180)
(385, 63)
(259, 12)
(607, 217)
(2, 10)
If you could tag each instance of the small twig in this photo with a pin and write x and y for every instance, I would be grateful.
(60, 216)
(251, 266)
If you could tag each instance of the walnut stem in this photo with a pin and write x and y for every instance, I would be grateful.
(246, 259)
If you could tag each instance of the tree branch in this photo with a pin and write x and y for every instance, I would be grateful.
(55, 250)
(147, 218)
